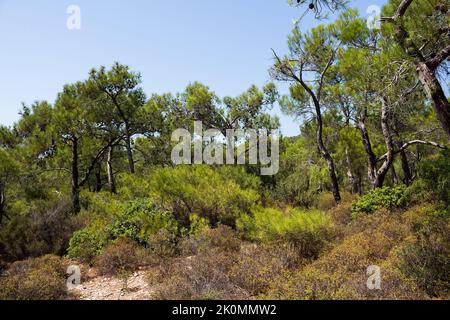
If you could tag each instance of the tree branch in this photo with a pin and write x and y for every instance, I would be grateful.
(439, 58)
(414, 142)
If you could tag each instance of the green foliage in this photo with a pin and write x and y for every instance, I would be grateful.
(387, 197)
(436, 174)
(141, 219)
(201, 190)
(37, 228)
(425, 257)
(308, 231)
(87, 243)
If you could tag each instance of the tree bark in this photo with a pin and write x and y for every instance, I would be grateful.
(382, 172)
(327, 156)
(351, 177)
(426, 69)
(436, 94)
(76, 207)
(109, 168)
(129, 152)
(407, 175)
(371, 157)
(98, 178)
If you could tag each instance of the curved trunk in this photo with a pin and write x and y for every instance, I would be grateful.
(382, 172)
(436, 94)
(426, 70)
(327, 156)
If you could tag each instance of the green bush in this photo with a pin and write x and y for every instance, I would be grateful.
(37, 228)
(388, 198)
(139, 221)
(204, 191)
(42, 278)
(142, 220)
(87, 243)
(435, 173)
(308, 231)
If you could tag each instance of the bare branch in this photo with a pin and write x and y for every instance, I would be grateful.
(414, 142)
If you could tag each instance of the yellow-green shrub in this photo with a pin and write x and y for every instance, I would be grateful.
(201, 190)
(308, 231)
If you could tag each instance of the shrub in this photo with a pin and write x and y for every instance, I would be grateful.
(256, 266)
(201, 277)
(201, 190)
(425, 256)
(142, 220)
(389, 198)
(435, 173)
(139, 220)
(326, 202)
(41, 278)
(308, 231)
(222, 238)
(119, 258)
(341, 273)
(37, 228)
(87, 243)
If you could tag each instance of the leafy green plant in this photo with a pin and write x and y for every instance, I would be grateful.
(201, 190)
(389, 198)
(87, 243)
(308, 231)
(141, 220)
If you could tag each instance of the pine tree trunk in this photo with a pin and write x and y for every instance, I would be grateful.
(129, 153)
(98, 178)
(326, 155)
(407, 179)
(76, 207)
(351, 177)
(436, 94)
(385, 128)
(109, 167)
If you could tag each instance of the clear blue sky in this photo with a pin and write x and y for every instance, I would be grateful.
(222, 43)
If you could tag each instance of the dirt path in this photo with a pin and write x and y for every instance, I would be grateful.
(111, 288)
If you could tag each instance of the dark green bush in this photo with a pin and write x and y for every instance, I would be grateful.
(37, 228)
(87, 243)
(388, 198)
(141, 220)
(435, 173)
